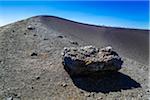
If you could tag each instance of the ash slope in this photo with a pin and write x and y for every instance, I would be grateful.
(42, 76)
(131, 43)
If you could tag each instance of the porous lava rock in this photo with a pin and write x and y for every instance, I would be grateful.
(89, 59)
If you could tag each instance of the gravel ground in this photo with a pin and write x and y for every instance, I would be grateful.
(31, 69)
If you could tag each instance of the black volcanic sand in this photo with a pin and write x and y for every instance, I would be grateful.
(31, 64)
(131, 43)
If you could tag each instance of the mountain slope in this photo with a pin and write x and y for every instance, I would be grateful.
(31, 65)
(132, 43)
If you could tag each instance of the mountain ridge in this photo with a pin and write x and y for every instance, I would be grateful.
(116, 27)
(31, 61)
(125, 40)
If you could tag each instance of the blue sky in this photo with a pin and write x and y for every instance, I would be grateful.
(131, 14)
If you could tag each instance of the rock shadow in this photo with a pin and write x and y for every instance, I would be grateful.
(110, 82)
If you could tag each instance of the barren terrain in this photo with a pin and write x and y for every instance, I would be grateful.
(31, 63)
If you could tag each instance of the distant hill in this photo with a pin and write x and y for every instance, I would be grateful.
(132, 43)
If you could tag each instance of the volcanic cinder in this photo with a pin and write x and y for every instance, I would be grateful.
(31, 61)
(90, 60)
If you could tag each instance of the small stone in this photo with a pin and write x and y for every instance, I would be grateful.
(35, 35)
(13, 31)
(15, 94)
(34, 54)
(30, 27)
(99, 98)
(60, 36)
(81, 92)
(73, 42)
(148, 90)
(87, 94)
(64, 84)
(25, 33)
(92, 94)
(107, 49)
(37, 78)
(45, 38)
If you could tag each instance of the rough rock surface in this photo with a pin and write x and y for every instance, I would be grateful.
(89, 59)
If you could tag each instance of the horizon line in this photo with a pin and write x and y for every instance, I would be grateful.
(79, 22)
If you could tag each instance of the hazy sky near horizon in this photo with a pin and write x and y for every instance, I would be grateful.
(131, 14)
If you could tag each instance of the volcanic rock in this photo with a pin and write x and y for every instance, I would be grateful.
(89, 59)
(30, 27)
(60, 36)
(73, 42)
(34, 54)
